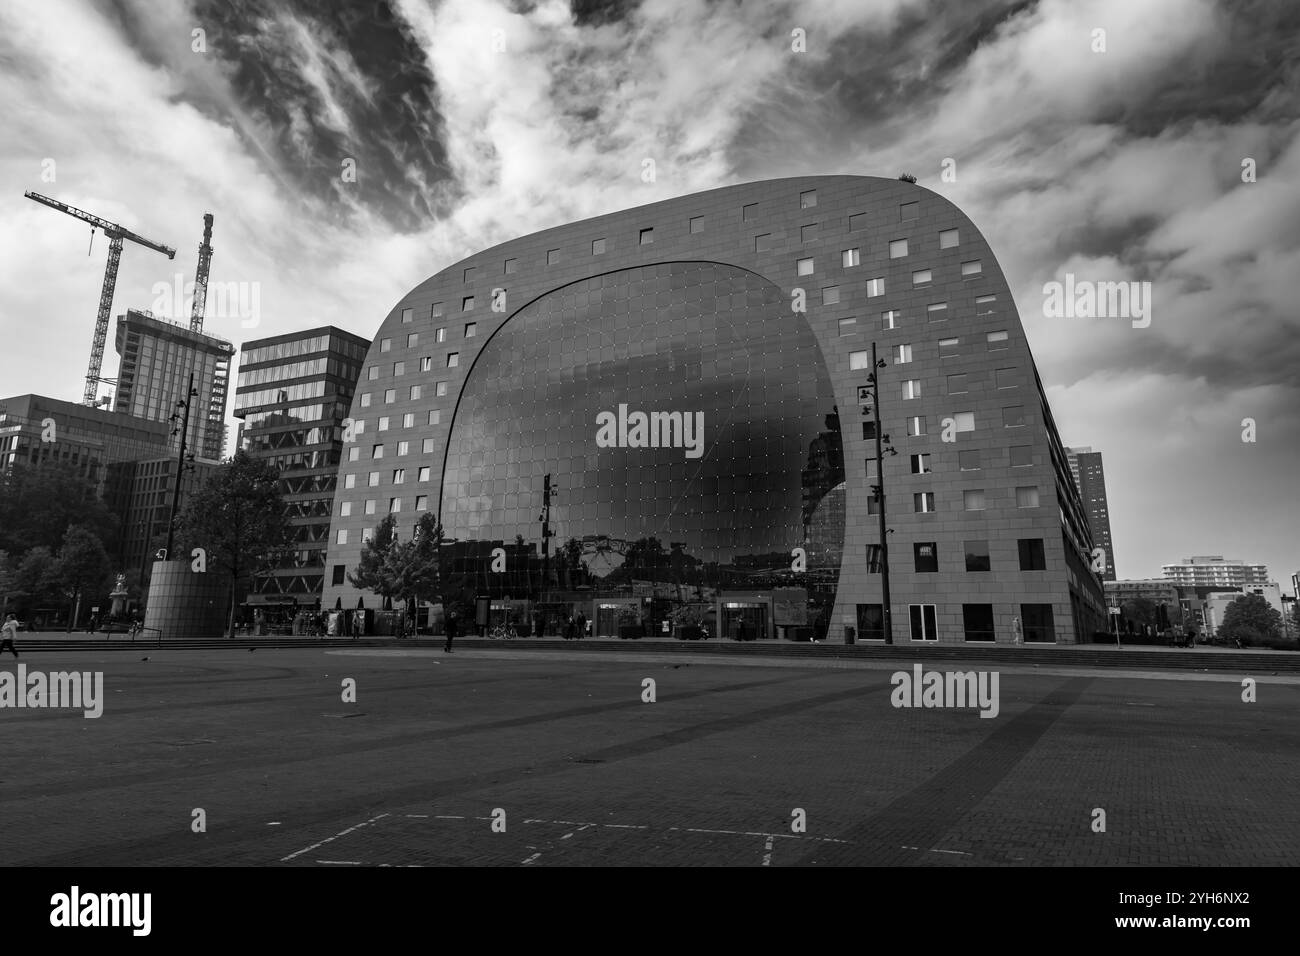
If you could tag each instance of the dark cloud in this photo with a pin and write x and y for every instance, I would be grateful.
(587, 13)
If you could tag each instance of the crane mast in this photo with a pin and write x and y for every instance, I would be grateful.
(201, 276)
(116, 235)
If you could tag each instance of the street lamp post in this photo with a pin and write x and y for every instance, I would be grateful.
(878, 492)
(180, 460)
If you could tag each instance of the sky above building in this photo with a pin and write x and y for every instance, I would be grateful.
(1125, 155)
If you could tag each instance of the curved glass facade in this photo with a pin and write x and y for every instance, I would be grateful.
(688, 425)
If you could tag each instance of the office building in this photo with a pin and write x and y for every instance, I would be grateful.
(157, 357)
(690, 374)
(292, 394)
(1090, 478)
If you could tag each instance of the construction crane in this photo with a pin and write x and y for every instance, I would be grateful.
(115, 235)
(201, 276)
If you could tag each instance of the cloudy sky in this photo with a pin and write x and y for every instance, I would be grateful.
(474, 121)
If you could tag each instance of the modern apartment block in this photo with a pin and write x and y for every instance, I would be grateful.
(157, 357)
(142, 497)
(690, 376)
(292, 394)
(1215, 572)
(1090, 477)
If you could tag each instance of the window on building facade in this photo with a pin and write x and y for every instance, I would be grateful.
(1032, 557)
(977, 620)
(922, 619)
(1027, 496)
(897, 248)
(973, 500)
(977, 555)
(850, 258)
(947, 238)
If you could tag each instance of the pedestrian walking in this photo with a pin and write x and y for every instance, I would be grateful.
(8, 631)
(451, 633)
(568, 628)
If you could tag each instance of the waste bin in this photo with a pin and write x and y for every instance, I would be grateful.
(850, 635)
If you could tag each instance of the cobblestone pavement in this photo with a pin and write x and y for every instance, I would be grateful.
(500, 758)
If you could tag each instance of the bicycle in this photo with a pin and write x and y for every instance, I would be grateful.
(503, 631)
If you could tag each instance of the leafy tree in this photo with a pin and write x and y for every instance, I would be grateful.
(374, 570)
(33, 580)
(414, 565)
(1250, 619)
(1141, 611)
(82, 568)
(237, 517)
(39, 502)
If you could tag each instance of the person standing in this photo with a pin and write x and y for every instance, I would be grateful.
(451, 633)
(9, 631)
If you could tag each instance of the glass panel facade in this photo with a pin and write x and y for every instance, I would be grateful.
(690, 430)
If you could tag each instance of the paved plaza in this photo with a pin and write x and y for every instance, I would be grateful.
(538, 758)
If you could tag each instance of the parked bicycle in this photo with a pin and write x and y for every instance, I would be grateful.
(503, 631)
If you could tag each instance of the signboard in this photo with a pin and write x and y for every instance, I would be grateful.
(789, 607)
(1114, 610)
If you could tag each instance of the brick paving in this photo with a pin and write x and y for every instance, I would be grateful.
(586, 773)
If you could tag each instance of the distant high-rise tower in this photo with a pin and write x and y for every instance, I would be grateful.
(157, 358)
(1086, 467)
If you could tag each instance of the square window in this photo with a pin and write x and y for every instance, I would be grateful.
(763, 243)
(850, 258)
(372, 373)
(831, 295)
(426, 446)
(889, 320)
(365, 399)
(972, 267)
(511, 266)
(345, 508)
(412, 339)
(373, 480)
(873, 505)
(399, 476)
(390, 396)
(399, 368)
(859, 360)
(997, 340)
(1013, 416)
(342, 536)
(937, 312)
(977, 555)
(916, 426)
(922, 619)
(552, 256)
(985, 304)
(911, 389)
(977, 621)
(804, 266)
(440, 335)
(908, 211)
(749, 213)
(857, 221)
(367, 534)
(947, 238)
(921, 276)
(408, 420)
(453, 359)
(349, 481)
(1032, 557)
(875, 559)
(471, 329)
(902, 354)
(869, 431)
(598, 247)
(385, 344)
(848, 326)
(424, 473)
(383, 423)
(1006, 378)
(1022, 456)
(808, 199)
(697, 224)
(808, 233)
(921, 464)
(440, 389)
(897, 248)
(964, 421)
(948, 348)
(421, 502)
(469, 273)
(647, 236)
(435, 417)
(957, 384)
(968, 460)
(872, 469)
(925, 554)
(1036, 620)
(403, 448)
(1027, 497)
(973, 500)
(875, 287)
(437, 310)
(408, 315)
(467, 303)
(426, 364)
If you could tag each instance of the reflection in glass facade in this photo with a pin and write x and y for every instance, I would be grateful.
(654, 510)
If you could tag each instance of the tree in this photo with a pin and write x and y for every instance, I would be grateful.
(1141, 611)
(414, 566)
(39, 502)
(1250, 619)
(237, 517)
(374, 570)
(81, 569)
(33, 580)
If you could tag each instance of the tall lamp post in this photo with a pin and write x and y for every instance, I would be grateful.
(182, 463)
(878, 491)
